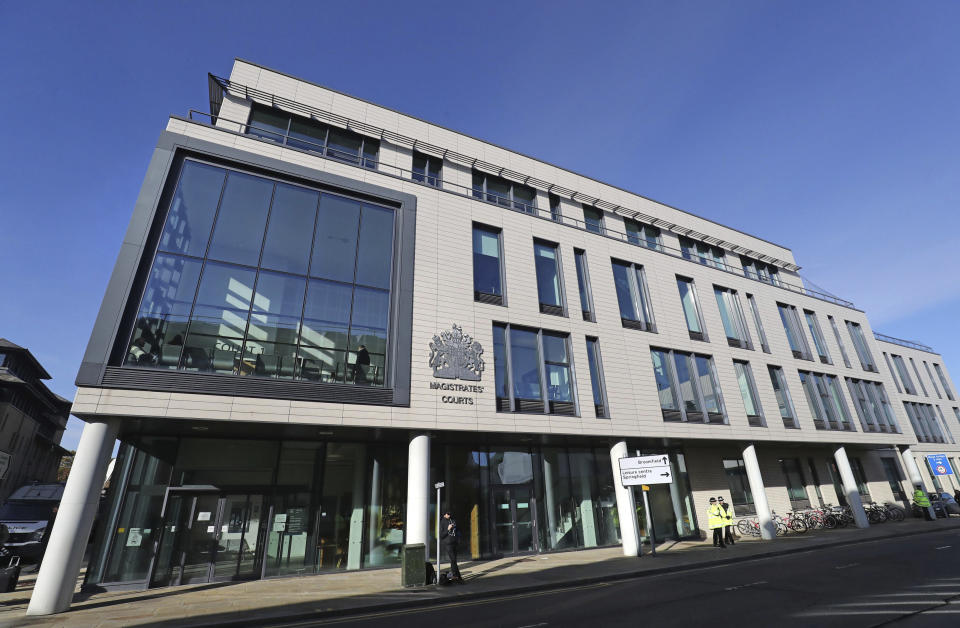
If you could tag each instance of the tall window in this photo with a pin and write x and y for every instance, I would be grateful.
(740, 494)
(261, 278)
(932, 381)
(546, 259)
(782, 393)
(794, 331)
(924, 422)
(943, 423)
(487, 267)
(893, 373)
(583, 285)
(504, 192)
(818, 340)
(313, 135)
(759, 323)
(701, 252)
(860, 477)
(691, 308)
(860, 346)
(894, 477)
(759, 270)
(904, 374)
(687, 387)
(943, 381)
(916, 372)
(796, 485)
(748, 391)
(632, 296)
(427, 169)
(642, 234)
(532, 371)
(836, 335)
(734, 324)
(555, 212)
(593, 219)
(596, 378)
(826, 402)
(872, 406)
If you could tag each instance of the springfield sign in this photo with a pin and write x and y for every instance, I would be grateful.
(645, 470)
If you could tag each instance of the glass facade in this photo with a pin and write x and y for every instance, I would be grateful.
(254, 277)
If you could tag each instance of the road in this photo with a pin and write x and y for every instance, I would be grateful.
(905, 582)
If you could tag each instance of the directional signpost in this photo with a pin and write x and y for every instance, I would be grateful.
(939, 464)
(644, 470)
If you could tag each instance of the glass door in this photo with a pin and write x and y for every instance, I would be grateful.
(238, 526)
(514, 519)
(197, 541)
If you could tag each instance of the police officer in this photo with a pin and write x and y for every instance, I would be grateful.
(728, 519)
(920, 499)
(716, 520)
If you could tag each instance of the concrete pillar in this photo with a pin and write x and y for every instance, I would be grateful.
(850, 488)
(626, 506)
(551, 501)
(374, 517)
(587, 516)
(913, 472)
(57, 579)
(675, 497)
(418, 491)
(768, 530)
(355, 540)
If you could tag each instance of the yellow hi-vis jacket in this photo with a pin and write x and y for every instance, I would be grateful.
(728, 515)
(715, 517)
(921, 499)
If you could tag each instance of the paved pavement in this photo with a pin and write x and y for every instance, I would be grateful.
(265, 602)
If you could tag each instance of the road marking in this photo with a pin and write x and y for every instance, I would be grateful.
(944, 546)
(847, 566)
(543, 623)
(744, 586)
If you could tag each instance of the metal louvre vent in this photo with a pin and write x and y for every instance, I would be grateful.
(629, 323)
(587, 316)
(715, 418)
(554, 310)
(484, 297)
(528, 405)
(672, 415)
(754, 421)
(601, 410)
(503, 405)
(564, 408)
(210, 384)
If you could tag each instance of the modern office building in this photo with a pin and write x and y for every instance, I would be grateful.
(322, 307)
(32, 420)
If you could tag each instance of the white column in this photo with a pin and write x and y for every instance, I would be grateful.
(418, 490)
(551, 501)
(850, 488)
(57, 579)
(626, 506)
(916, 480)
(355, 540)
(587, 516)
(768, 530)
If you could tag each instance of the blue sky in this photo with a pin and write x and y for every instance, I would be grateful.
(831, 128)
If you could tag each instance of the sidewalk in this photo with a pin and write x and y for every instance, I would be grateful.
(261, 601)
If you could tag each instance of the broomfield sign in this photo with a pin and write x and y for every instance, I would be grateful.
(455, 355)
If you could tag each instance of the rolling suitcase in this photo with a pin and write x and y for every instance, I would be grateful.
(10, 575)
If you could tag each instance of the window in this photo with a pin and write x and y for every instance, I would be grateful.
(756, 321)
(943, 381)
(956, 413)
(691, 308)
(313, 135)
(818, 341)
(596, 378)
(894, 477)
(642, 234)
(740, 494)
(916, 372)
(635, 310)
(759, 270)
(904, 374)
(815, 478)
(504, 192)
(546, 260)
(836, 334)
(924, 422)
(555, 213)
(873, 408)
(748, 391)
(794, 331)
(943, 424)
(932, 381)
(532, 371)
(893, 373)
(487, 267)
(860, 346)
(583, 285)
(687, 387)
(734, 324)
(796, 485)
(826, 402)
(701, 252)
(294, 283)
(782, 393)
(593, 219)
(427, 169)
(860, 477)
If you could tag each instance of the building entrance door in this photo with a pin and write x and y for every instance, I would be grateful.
(514, 519)
(208, 536)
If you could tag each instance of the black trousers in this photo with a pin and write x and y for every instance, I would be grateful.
(452, 556)
(718, 537)
(926, 513)
(728, 534)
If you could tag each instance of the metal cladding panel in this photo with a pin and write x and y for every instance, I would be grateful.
(211, 384)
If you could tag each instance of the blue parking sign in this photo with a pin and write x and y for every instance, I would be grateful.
(939, 464)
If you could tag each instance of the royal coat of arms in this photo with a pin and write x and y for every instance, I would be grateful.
(455, 355)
